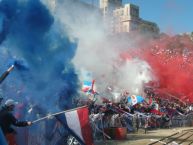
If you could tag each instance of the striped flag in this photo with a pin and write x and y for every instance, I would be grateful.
(87, 85)
(77, 123)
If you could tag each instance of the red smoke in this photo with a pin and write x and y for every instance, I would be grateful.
(171, 59)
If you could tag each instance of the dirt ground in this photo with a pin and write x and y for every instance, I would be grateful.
(141, 138)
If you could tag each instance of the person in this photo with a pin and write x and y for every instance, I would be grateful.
(124, 99)
(146, 124)
(7, 119)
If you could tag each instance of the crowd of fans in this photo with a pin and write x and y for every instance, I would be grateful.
(156, 111)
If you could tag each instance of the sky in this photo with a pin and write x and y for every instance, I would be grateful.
(172, 16)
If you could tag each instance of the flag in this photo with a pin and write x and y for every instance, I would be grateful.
(156, 106)
(77, 123)
(150, 101)
(87, 85)
(135, 99)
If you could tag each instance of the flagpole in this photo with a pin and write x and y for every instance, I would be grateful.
(54, 114)
(101, 131)
(92, 87)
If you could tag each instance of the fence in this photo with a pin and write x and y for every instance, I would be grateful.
(99, 122)
(140, 121)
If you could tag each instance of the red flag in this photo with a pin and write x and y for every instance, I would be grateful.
(78, 122)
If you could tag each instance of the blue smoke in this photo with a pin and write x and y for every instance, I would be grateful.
(41, 51)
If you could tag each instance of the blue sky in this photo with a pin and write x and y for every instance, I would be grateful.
(172, 16)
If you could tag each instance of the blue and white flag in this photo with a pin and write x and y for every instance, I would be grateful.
(135, 99)
(87, 85)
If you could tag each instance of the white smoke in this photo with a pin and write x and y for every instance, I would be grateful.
(97, 51)
(133, 75)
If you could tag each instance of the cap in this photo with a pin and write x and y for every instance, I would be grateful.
(10, 102)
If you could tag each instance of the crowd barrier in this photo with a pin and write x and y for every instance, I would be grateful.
(133, 124)
(102, 124)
